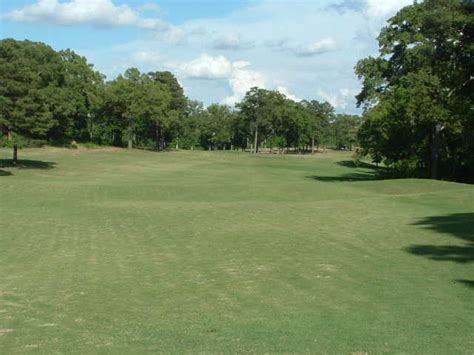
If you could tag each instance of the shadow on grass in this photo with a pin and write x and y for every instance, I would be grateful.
(346, 177)
(5, 173)
(460, 226)
(366, 172)
(468, 283)
(26, 164)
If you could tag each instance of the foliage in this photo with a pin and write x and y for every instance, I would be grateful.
(343, 131)
(418, 94)
(28, 71)
(215, 127)
(22, 142)
(59, 97)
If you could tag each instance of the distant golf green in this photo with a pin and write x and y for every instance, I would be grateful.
(110, 251)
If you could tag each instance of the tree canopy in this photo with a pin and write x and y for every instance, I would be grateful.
(417, 94)
(57, 96)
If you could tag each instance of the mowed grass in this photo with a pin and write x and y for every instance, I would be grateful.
(116, 251)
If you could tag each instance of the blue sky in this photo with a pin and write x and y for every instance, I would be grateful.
(217, 49)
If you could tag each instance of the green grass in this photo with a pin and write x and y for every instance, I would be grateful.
(117, 251)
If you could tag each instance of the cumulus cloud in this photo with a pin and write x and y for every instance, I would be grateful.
(384, 9)
(372, 8)
(284, 90)
(315, 48)
(207, 67)
(241, 81)
(339, 99)
(100, 13)
(237, 73)
(240, 77)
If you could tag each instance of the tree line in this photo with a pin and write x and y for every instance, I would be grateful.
(58, 97)
(417, 100)
(417, 94)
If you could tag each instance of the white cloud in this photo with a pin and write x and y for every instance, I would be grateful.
(207, 67)
(241, 81)
(284, 90)
(101, 13)
(238, 74)
(340, 99)
(384, 8)
(319, 47)
(240, 64)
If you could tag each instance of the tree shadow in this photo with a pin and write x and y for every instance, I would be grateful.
(468, 283)
(458, 225)
(346, 177)
(5, 173)
(365, 172)
(27, 164)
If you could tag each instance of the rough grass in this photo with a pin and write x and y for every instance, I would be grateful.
(117, 251)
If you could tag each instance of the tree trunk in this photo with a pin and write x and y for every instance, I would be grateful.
(91, 127)
(157, 136)
(435, 151)
(130, 141)
(255, 142)
(15, 154)
(162, 139)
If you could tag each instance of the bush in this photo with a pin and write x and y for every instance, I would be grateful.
(405, 169)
